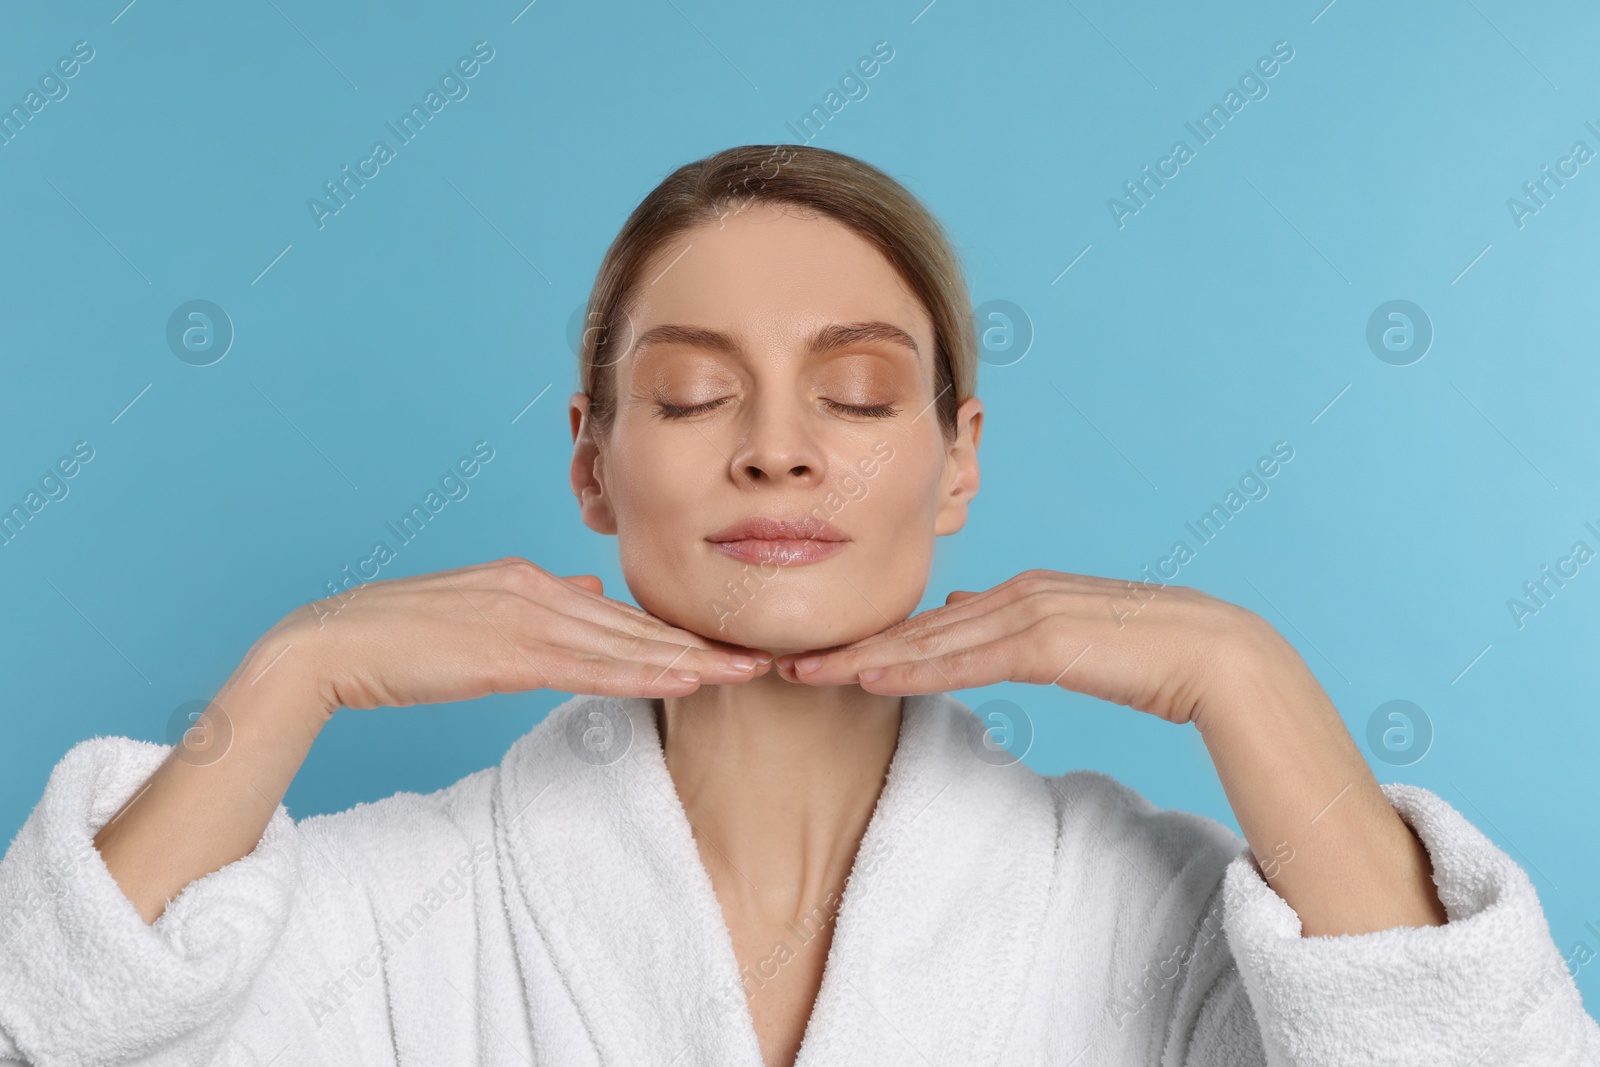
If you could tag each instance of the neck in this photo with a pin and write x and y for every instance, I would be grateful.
(779, 781)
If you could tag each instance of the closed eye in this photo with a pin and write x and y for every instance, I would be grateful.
(667, 410)
(875, 411)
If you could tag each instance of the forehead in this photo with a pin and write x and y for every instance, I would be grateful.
(775, 273)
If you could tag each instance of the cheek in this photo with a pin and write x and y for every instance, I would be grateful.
(892, 518)
(902, 501)
(661, 497)
(653, 493)
(641, 484)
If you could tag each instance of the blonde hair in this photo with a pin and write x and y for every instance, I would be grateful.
(855, 194)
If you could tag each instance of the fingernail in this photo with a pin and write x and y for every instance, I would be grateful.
(871, 674)
(807, 664)
(686, 676)
(742, 663)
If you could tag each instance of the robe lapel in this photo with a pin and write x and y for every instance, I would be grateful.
(939, 925)
(603, 861)
(935, 931)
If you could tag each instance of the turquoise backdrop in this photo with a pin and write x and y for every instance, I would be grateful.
(1375, 252)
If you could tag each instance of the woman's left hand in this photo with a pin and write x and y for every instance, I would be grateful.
(1299, 786)
(1154, 648)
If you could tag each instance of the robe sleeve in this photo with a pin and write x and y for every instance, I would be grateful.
(227, 974)
(1487, 988)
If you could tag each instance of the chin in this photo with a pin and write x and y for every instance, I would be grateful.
(784, 635)
(772, 619)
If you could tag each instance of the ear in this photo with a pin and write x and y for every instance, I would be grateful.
(960, 482)
(587, 476)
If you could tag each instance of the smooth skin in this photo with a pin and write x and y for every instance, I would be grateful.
(779, 758)
(501, 627)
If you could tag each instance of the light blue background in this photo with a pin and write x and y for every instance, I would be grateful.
(1223, 317)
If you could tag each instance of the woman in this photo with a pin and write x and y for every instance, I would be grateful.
(776, 420)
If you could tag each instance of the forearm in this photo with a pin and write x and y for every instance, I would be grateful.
(1328, 839)
(200, 811)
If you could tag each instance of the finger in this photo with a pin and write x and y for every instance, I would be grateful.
(714, 663)
(958, 595)
(602, 609)
(968, 606)
(523, 623)
(967, 667)
(471, 575)
(898, 634)
(604, 676)
(578, 671)
(1062, 588)
(844, 665)
(541, 587)
(910, 632)
(645, 624)
(590, 582)
(582, 637)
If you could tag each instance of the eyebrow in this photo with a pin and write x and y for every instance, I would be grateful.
(834, 336)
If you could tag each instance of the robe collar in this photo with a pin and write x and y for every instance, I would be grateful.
(935, 934)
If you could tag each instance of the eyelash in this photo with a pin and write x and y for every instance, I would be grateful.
(874, 411)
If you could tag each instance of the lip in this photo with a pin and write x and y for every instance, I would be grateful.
(785, 541)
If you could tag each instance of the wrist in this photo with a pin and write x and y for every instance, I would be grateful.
(1254, 672)
(280, 679)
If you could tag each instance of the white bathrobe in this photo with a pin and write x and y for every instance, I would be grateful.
(553, 910)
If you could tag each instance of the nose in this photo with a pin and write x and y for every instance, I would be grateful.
(777, 447)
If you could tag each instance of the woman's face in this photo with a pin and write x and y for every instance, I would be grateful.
(776, 368)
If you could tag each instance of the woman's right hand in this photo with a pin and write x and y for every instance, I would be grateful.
(505, 626)
(499, 627)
